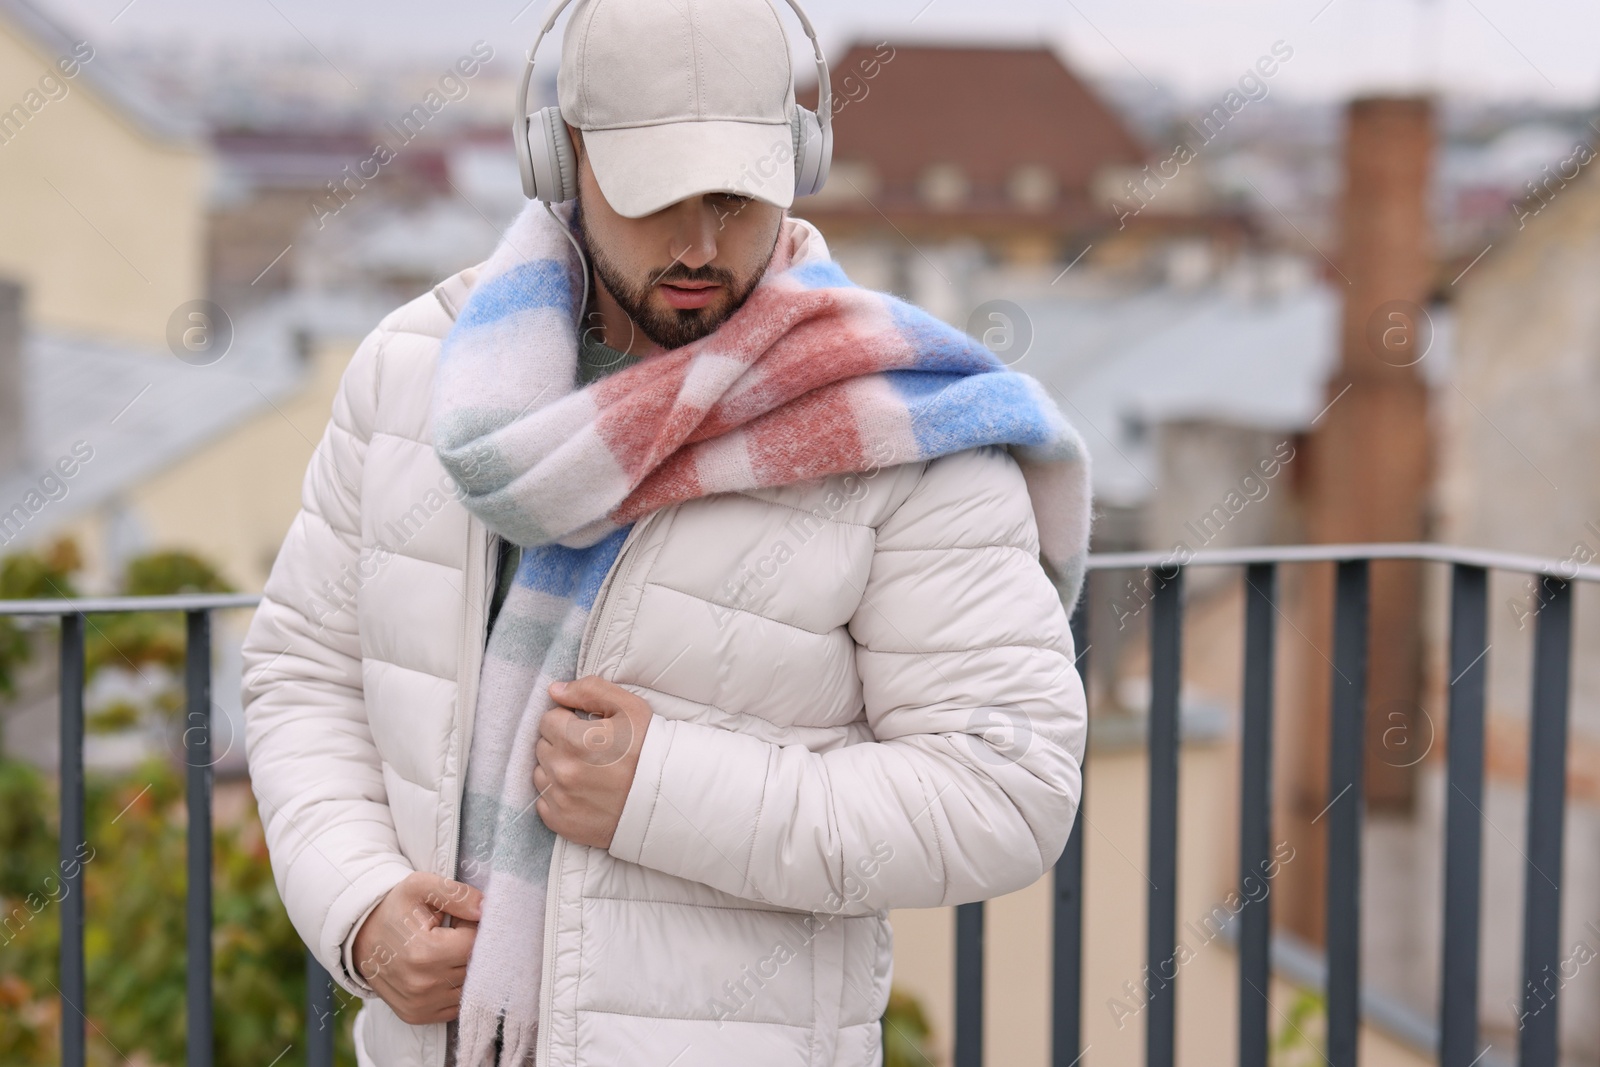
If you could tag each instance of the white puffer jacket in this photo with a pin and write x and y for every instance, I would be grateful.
(865, 699)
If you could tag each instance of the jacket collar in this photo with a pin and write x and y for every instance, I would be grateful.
(452, 293)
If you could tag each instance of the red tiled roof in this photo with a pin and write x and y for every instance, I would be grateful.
(989, 111)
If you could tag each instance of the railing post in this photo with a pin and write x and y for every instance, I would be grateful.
(1166, 640)
(1345, 810)
(198, 771)
(1547, 794)
(1463, 850)
(319, 1014)
(1066, 986)
(73, 842)
(1255, 815)
(969, 985)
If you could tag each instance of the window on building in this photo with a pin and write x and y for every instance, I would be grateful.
(944, 186)
(1033, 187)
(849, 180)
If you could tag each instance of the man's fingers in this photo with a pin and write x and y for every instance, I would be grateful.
(451, 946)
(451, 897)
(462, 901)
(423, 965)
(420, 886)
(590, 693)
(598, 741)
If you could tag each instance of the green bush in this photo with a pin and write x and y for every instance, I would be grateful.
(31, 576)
(134, 886)
(134, 875)
(1299, 1042)
(150, 643)
(138, 639)
(133, 640)
(905, 1032)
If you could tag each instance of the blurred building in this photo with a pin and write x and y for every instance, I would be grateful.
(1519, 441)
(315, 209)
(134, 416)
(920, 149)
(269, 183)
(105, 193)
(956, 164)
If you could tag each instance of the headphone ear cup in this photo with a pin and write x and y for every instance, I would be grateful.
(551, 164)
(813, 152)
(520, 135)
(798, 132)
(566, 156)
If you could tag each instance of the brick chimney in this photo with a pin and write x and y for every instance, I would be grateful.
(1369, 470)
(13, 439)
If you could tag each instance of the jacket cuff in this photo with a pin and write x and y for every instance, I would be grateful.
(349, 911)
(352, 973)
(627, 843)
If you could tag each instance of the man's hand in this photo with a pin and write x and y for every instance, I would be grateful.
(416, 964)
(585, 766)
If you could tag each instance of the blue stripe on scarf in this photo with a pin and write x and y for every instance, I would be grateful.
(959, 393)
(828, 275)
(951, 412)
(571, 573)
(542, 283)
(938, 345)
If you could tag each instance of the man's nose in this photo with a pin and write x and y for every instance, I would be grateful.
(694, 237)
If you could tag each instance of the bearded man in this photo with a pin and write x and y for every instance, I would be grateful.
(663, 608)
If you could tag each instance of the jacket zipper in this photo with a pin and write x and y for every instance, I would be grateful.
(600, 612)
(478, 537)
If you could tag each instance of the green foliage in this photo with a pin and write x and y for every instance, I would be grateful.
(27, 842)
(114, 717)
(136, 641)
(134, 885)
(1299, 1041)
(31, 576)
(140, 639)
(905, 1032)
(134, 873)
(14, 652)
(171, 572)
(28, 1022)
(41, 575)
(128, 639)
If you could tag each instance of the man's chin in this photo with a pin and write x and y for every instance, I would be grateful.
(672, 327)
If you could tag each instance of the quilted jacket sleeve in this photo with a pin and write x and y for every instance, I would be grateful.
(328, 826)
(969, 790)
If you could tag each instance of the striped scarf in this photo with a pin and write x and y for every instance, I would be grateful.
(812, 376)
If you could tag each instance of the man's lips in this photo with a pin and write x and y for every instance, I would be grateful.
(687, 295)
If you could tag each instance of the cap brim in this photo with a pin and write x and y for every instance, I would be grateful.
(642, 169)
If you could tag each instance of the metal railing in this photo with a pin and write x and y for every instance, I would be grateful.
(1459, 1044)
(1458, 1030)
(72, 615)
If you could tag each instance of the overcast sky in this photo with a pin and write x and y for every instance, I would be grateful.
(1487, 48)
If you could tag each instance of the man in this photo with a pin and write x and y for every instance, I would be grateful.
(627, 662)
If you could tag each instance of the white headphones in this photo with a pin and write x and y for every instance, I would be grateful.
(550, 167)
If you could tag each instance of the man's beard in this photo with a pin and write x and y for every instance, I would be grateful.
(670, 327)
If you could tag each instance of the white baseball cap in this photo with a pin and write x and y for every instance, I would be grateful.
(677, 98)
